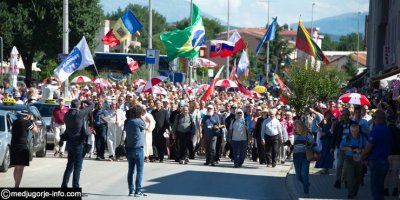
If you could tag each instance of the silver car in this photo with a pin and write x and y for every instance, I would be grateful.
(5, 140)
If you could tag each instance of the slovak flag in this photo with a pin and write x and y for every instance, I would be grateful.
(221, 48)
(238, 41)
(132, 64)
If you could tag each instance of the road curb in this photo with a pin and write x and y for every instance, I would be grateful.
(290, 189)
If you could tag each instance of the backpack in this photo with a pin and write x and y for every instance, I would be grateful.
(192, 127)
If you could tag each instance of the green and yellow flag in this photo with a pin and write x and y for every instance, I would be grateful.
(305, 43)
(185, 43)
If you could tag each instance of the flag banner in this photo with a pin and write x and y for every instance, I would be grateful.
(153, 82)
(221, 48)
(238, 42)
(211, 89)
(79, 58)
(124, 28)
(305, 43)
(132, 64)
(269, 35)
(185, 43)
(243, 64)
(243, 89)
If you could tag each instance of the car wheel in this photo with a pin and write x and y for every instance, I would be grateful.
(42, 153)
(6, 162)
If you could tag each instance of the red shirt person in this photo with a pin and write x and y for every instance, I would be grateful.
(58, 126)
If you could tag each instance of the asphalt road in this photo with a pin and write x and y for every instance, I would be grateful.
(169, 180)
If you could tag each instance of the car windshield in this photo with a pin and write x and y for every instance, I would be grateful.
(45, 110)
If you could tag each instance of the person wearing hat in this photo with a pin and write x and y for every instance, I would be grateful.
(19, 150)
(238, 136)
(228, 121)
(17, 97)
(257, 135)
(75, 136)
(211, 125)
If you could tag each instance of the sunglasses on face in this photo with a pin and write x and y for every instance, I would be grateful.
(239, 113)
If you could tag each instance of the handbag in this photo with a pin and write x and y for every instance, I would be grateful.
(120, 151)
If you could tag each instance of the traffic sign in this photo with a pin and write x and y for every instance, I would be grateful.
(151, 56)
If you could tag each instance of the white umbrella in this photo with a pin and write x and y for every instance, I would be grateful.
(81, 79)
(154, 90)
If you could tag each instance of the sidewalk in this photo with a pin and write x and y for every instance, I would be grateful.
(322, 186)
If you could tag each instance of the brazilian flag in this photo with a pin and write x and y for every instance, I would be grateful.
(185, 43)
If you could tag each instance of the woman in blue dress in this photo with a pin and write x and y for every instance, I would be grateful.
(326, 161)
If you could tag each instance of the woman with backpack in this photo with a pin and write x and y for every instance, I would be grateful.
(238, 137)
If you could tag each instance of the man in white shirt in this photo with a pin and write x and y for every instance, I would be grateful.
(48, 90)
(271, 137)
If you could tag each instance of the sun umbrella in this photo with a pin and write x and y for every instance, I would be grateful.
(260, 89)
(202, 62)
(355, 98)
(154, 90)
(81, 79)
(226, 83)
(139, 82)
(103, 82)
(153, 82)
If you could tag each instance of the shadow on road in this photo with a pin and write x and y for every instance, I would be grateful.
(219, 184)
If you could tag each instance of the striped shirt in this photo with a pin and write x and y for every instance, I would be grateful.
(302, 142)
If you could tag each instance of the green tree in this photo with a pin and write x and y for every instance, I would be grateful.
(350, 67)
(349, 42)
(36, 26)
(142, 13)
(328, 44)
(309, 86)
(212, 26)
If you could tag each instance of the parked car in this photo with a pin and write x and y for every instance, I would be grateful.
(46, 111)
(36, 143)
(5, 140)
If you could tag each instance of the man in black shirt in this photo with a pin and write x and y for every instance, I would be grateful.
(161, 116)
(19, 151)
(76, 135)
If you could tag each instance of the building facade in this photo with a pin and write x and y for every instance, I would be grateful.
(383, 41)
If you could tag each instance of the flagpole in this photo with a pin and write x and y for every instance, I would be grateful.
(267, 68)
(227, 58)
(65, 40)
(191, 60)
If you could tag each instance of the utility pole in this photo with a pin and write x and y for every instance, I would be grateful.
(190, 70)
(65, 40)
(150, 45)
(358, 36)
(312, 34)
(227, 58)
(1, 57)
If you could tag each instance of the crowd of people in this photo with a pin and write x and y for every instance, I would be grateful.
(353, 139)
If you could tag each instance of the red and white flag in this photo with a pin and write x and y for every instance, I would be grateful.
(211, 89)
(153, 82)
(133, 65)
(238, 41)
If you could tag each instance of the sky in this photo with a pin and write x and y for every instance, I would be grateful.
(253, 13)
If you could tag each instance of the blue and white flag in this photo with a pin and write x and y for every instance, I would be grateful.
(79, 58)
(243, 64)
(269, 35)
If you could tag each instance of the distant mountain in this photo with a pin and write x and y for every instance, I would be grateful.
(339, 25)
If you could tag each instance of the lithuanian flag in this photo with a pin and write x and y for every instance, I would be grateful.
(305, 43)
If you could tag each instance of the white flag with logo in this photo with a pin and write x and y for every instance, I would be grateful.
(243, 63)
(79, 58)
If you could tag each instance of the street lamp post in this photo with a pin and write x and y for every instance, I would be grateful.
(150, 45)
(65, 39)
(312, 20)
